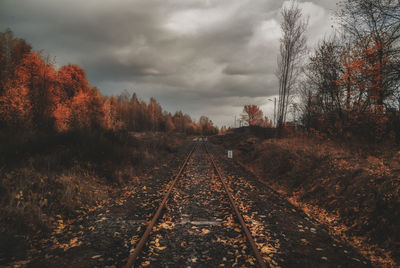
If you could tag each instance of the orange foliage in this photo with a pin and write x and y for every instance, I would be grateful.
(353, 98)
(62, 114)
(15, 107)
(71, 79)
(80, 110)
(267, 122)
(364, 71)
(252, 115)
(38, 77)
(38, 98)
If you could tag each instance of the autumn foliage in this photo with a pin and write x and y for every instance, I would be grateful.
(35, 97)
(349, 91)
(253, 116)
(352, 80)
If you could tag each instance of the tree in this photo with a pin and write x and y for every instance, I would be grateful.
(39, 78)
(96, 113)
(320, 92)
(71, 82)
(33, 96)
(155, 112)
(374, 27)
(206, 126)
(109, 119)
(351, 83)
(252, 115)
(323, 72)
(293, 46)
(77, 104)
(267, 123)
(15, 107)
(124, 109)
(167, 123)
(12, 51)
(179, 121)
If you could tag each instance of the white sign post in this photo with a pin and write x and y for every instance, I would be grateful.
(230, 154)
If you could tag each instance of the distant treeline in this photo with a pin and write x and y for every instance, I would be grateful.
(35, 97)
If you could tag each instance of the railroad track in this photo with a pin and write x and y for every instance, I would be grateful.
(198, 145)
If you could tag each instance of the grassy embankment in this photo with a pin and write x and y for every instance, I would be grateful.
(59, 175)
(353, 188)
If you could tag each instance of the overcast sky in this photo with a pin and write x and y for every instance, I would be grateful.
(202, 57)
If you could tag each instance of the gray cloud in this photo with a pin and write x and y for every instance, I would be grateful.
(204, 57)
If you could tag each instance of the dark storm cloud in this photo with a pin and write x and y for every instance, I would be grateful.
(204, 57)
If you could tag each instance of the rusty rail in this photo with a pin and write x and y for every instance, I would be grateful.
(133, 256)
(249, 237)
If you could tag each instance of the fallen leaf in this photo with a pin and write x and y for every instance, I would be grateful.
(19, 263)
(74, 242)
(166, 226)
(268, 249)
(205, 231)
(304, 241)
(146, 263)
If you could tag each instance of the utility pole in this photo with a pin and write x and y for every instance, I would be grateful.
(234, 123)
(275, 112)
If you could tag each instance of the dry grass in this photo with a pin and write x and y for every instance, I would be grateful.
(60, 175)
(31, 198)
(352, 187)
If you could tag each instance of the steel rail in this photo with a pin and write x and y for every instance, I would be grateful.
(249, 237)
(133, 256)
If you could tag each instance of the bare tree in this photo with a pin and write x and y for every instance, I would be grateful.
(322, 73)
(293, 46)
